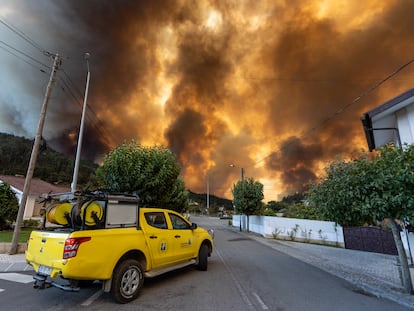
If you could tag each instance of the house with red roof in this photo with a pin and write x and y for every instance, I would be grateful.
(37, 187)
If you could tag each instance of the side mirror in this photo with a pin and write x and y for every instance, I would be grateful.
(193, 226)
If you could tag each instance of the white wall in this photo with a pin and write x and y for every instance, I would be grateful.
(304, 230)
(405, 122)
(324, 232)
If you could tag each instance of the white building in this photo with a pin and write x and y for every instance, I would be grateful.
(392, 121)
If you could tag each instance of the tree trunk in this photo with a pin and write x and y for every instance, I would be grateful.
(405, 275)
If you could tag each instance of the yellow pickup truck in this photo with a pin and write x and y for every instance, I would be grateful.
(108, 237)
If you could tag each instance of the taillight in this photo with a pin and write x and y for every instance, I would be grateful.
(71, 246)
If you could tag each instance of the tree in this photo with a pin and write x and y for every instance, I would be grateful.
(9, 205)
(298, 197)
(51, 166)
(302, 211)
(248, 196)
(275, 206)
(151, 172)
(364, 190)
(340, 195)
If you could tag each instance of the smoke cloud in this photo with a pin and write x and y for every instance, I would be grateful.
(260, 85)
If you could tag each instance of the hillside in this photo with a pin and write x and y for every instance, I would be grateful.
(214, 201)
(51, 166)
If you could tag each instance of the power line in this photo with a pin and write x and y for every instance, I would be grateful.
(23, 53)
(22, 59)
(25, 37)
(343, 108)
(9, 48)
(78, 101)
(95, 121)
(73, 84)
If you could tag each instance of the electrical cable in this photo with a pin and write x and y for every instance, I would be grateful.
(23, 53)
(22, 59)
(25, 37)
(90, 113)
(343, 108)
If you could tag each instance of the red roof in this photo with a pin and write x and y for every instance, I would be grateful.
(37, 186)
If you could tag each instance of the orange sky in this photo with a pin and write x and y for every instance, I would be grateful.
(257, 84)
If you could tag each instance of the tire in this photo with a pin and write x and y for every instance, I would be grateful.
(202, 258)
(127, 280)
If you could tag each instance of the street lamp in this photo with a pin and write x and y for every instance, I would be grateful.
(79, 147)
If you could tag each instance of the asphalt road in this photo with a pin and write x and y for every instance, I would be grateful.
(242, 275)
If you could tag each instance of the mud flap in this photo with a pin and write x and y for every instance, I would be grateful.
(106, 285)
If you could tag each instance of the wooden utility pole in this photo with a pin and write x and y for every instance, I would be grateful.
(33, 157)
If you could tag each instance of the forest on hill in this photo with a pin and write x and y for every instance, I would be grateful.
(51, 166)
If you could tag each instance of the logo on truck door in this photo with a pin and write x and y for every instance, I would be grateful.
(163, 246)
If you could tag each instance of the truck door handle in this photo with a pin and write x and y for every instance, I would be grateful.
(177, 236)
(153, 237)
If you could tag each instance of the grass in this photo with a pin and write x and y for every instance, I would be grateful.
(7, 235)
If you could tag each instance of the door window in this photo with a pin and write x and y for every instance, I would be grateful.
(178, 222)
(156, 220)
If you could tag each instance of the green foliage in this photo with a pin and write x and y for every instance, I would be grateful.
(267, 212)
(294, 198)
(6, 236)
(302, 211)
(9, 205)
(248, 196)
(392, 191)
(178, 198)
(275, 206)
(51, 166)
(364, 191)
(31, 223)
(151, 172)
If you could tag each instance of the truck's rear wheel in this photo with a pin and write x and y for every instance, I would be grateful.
(127, 280)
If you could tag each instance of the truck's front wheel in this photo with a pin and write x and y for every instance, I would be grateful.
(127, 280)
(202, 258)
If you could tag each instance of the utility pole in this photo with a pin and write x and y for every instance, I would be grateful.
(79, 148)
(33, 157)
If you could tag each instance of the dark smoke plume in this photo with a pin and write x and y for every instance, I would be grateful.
(258, 84)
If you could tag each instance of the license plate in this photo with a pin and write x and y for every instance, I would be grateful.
(44, 270)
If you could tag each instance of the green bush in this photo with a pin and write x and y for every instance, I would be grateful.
(9, 206)
(302, 211)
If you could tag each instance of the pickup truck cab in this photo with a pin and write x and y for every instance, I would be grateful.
(108, 237)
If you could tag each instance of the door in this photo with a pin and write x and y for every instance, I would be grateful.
(183, 238)
(159, 238)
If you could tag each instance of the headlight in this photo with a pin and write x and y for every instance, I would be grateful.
(211, 232)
